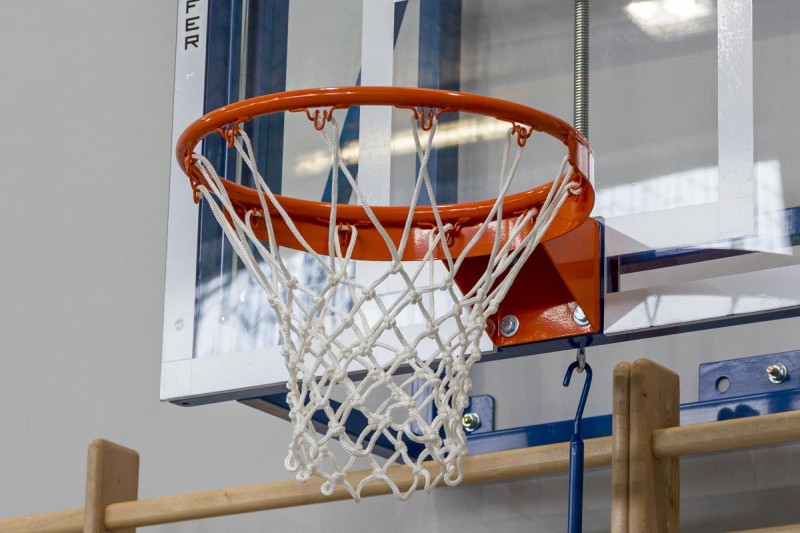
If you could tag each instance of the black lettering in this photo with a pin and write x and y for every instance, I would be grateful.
(191, 40)
(190, 4)
(191, 24)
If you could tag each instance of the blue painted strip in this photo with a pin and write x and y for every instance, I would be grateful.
(268, 38)
(214, 254)
(440, 68)
(350, 129)
(265, 54)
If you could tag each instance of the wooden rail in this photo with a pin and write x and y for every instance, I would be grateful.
(505, 465)
(727, 434)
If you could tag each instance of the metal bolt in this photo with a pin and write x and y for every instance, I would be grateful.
(471, 422)
(580, 317)
(490, 327)
(178, 324)
(509, 325)
(777, 373)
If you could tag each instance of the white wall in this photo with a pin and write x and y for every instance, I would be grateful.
(85, 106)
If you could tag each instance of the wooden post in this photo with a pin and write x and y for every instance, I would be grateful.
(654, 488)
(112, 476)
(620, 440)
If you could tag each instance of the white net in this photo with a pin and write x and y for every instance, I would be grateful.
(359, 350)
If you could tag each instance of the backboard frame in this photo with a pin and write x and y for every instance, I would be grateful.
(187, 379)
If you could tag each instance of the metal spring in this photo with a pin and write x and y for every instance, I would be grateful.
(582, 66)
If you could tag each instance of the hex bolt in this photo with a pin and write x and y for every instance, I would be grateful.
(471, 422)
(777, 373)
(509, 325)
(580, 317)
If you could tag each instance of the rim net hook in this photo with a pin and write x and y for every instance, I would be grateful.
(575, 523)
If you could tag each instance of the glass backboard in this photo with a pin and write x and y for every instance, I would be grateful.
(692, 126)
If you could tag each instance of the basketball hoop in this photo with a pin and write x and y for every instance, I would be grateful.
(373, 361)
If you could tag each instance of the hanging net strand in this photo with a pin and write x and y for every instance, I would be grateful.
(355, 347)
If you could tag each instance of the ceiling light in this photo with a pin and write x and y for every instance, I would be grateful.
(669, 19)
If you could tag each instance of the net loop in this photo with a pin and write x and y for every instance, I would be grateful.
(229, 133)
(522, 133)
(319, 117)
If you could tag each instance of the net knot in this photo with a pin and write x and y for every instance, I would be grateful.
(335, 428)
(357, 401)
(418, 470)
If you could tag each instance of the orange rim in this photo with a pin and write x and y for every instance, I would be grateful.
(312, 218)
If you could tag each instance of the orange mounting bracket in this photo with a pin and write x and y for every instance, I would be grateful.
(562, 275)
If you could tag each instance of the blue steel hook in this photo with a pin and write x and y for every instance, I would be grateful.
(575, 523)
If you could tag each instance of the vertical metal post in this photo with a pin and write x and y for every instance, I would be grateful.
(582, 66)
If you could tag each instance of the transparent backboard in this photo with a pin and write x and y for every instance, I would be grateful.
(692, 124)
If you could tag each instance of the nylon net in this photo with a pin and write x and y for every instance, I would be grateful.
(358, 350)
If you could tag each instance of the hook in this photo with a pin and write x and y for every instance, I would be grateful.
(575, 510)
(580, 365)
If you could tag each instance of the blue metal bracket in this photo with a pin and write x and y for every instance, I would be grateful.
(483, 406)
(747, 376)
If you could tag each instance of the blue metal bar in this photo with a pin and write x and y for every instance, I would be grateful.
(537, 435)
(354, 425)
(575, 502)
(684, 255)
(600, 426)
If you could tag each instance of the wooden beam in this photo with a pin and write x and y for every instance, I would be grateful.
(497, 466)
(777, 529)
(620, 420)
(727, 434)
(654, 483)
(112, 475)
(56, 522)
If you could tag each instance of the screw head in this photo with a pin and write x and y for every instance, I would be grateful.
(580, 317)
(777, 373)
(471, 422)
(178, 325)
(509, 325)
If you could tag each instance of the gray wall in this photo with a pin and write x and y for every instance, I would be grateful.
(85, 102)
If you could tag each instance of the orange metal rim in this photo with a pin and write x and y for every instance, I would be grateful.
(311, 216)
